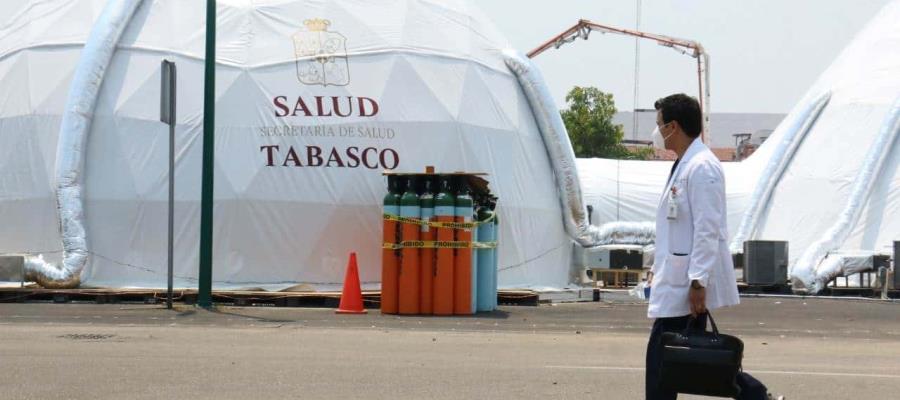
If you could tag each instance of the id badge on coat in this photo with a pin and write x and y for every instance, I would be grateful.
(673, 209)
(672, 206)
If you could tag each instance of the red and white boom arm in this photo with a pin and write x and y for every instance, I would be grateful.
(584, 28)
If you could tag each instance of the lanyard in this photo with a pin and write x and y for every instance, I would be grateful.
(672, 179)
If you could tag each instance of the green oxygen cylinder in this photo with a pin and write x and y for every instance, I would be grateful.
(444, 209)
(390, 259)
(427, 256)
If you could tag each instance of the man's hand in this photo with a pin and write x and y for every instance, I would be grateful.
(697, 298)
(649, 278)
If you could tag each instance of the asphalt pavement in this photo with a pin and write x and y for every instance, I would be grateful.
(805, 348)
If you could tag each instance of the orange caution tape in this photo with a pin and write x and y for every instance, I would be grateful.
(435, 224)
(433, 244)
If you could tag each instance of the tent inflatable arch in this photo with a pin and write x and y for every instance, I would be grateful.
(314, 100)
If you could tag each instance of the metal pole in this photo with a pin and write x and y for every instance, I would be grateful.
(167, 116)
(172, 88)
(637, 73)
(700, 98)
(706, 102)
(204, 292)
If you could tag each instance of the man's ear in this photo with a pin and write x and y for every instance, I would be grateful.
(678, 127)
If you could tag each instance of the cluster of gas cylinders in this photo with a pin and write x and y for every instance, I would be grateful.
(439, 254)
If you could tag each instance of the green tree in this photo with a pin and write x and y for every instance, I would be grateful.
(588, 120)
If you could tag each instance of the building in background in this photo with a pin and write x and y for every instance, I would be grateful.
(729, 132)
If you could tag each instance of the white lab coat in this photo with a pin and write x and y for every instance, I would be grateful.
(694, 244)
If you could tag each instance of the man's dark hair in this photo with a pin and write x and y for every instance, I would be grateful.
(684, 109)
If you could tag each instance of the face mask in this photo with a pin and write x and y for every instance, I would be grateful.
(659, 141)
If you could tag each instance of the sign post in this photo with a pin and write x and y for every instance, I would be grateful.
(167, 115)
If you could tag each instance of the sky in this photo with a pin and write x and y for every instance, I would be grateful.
(764, 54)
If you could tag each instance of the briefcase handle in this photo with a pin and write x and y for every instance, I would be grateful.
(693, 319)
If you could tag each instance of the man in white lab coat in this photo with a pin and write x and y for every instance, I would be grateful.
(692, 270)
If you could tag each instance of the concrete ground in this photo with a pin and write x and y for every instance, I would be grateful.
(803, 348)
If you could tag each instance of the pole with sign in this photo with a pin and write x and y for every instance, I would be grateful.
(167, 115)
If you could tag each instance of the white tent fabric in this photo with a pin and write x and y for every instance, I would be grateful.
(624, 190)
(420, 82)
(814, 190)
(865, 82)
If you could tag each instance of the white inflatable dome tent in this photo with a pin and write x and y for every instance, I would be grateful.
(300, 144)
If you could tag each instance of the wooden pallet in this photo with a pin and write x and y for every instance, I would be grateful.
(621, 278)
(152, 296)
(763, 289)
(858, 292)
(371, 299)
(518, 298)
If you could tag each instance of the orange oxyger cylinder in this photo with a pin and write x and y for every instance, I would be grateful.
(409, 258)
(427, 256)
(463, 281)
(444, 204)
(390, 259)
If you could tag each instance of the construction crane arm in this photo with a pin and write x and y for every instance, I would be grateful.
(691, 48)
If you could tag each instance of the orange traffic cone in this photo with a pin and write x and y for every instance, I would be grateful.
(351, 297)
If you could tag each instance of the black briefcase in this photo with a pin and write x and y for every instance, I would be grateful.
(700, 362)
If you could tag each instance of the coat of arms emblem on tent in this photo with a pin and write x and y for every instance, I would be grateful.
(321, 55)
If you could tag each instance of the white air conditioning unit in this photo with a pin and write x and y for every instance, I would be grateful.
(596, 257)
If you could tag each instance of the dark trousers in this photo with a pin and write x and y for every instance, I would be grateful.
(751, 389)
